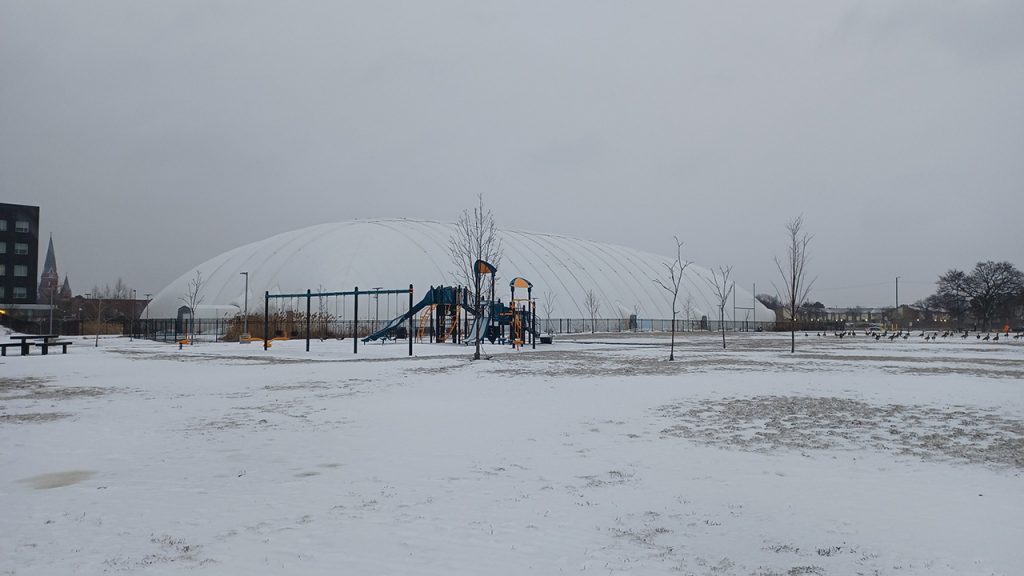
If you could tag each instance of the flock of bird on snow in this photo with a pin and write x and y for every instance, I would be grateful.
(927, 335)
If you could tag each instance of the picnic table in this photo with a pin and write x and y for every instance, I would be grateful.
(46, 341)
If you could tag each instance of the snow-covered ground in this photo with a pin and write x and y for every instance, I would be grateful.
(593, 455)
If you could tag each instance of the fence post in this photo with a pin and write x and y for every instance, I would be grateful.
(308, 299)
(533, 325)
(266, 320)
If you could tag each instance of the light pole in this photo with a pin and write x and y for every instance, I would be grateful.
(99, 320)
(896, 312)
(245, 313)
(376, 312)
(99, 316)
(51, 309)
(148, 300)
(131, 321)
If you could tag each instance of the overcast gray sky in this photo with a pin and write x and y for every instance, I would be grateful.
(157, 134)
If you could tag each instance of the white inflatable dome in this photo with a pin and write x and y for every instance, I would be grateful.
(393, 253)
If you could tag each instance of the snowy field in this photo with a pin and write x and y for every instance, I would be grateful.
(852, 456)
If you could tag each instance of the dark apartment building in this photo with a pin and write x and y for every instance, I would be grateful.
(19, 253)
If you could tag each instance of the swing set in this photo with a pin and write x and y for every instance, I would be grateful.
(291, 317)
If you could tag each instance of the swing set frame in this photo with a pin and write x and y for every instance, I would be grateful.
(356, 293)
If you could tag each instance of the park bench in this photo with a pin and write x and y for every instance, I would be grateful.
(45, 346)
(22, 342)
(4, 346)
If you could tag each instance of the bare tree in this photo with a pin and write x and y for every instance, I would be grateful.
(722, 288)
(548, 306)
(475, 238)
(120, 291)
(987, 289)
(689, 309)
(593, 307)
(953, 293)
(793, 269)
(675, 279)
(193, 297)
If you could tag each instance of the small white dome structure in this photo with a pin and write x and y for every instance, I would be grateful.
(393, 253)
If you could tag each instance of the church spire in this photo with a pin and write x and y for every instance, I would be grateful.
(49, 280)
(50, 265)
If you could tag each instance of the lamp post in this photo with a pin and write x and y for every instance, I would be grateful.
(148, 300)
(99, 316)
(896, 312)
(245, 313)
(376, 311)
(51, 309)
(131, 320)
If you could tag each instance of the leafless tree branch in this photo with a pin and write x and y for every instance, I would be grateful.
(793, 269)
(674, 280)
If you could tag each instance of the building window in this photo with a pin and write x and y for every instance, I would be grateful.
(3, 225)
(3, 247)
(3, 270)
(1, 293)
(20, 293)
(20, 270)
(20, 248)
(21, 226)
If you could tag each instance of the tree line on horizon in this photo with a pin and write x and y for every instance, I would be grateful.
(991, 294)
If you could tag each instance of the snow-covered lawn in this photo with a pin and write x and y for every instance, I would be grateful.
(588, 456)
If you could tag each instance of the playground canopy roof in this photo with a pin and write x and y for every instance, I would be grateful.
(393, 253)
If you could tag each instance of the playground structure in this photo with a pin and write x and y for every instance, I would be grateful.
(522, 313)
(434, 320)
(444, 315)
(439, 314)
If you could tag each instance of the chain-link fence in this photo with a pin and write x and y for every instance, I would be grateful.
(326, 326)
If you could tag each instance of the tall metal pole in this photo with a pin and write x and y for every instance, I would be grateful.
(148, 300)
(266, 320)
(309, 299)
(411, 320)
(376, 311)
(754, 303)
(896, 312)
(733, 289)
(245, 313)
(131, 322)
(355, 323)
(99, 322)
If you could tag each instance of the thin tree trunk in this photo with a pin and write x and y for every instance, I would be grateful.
(721, 316)
(672, 347)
